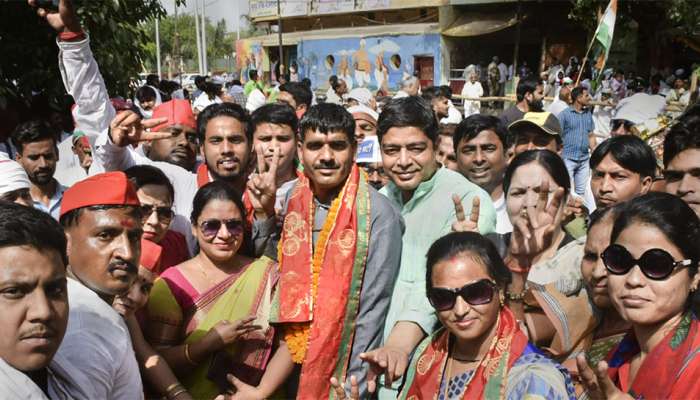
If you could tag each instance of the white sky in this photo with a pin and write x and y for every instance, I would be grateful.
(230, 10)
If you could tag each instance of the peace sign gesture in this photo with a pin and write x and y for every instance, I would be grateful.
(339, 388)
(128, 128)
(262, 186)
(598, 383)
(533, 230)
(463, 224)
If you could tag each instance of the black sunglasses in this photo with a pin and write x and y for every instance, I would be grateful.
(615, 124)
(211, 227)
(477, 293)
(656, 264)
(163, 213)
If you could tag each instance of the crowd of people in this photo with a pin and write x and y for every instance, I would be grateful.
(352, 248)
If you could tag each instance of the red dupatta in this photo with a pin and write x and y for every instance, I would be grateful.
(321, 306)
(670, 370)
(489, 380)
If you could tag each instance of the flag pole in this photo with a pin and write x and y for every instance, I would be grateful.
(585, 58)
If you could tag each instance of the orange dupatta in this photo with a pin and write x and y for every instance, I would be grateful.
(340, 255)
(489, 380)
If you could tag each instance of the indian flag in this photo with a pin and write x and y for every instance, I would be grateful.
(602, 39)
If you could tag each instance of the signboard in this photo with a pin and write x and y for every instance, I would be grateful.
(268, 8)
(333, 6)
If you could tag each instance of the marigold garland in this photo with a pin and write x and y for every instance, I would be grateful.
(296, 335)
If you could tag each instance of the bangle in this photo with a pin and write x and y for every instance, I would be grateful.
(174, 390)
(517, 297)
(179, 392)
(514, 266)
(71, 36)
(187, 355)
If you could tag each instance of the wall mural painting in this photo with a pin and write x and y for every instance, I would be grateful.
(371, 62)
(250, 55)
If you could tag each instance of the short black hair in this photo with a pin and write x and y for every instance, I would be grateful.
(328, 117)
(215, 190)
(300, 92)
(32, 131)
(670, 215)
(446, 91)
(27, 226)
(306, 82)
(71, 218)
(630, 152)
(411, 111)
(145, 93)
(526, 86)
(432, 92)
(577, 91)
(548, 160)
(683, 135)
(252, 74)
(142, 175)
(471, 126)
(152, 79)
(280, 114)
(231, 110)
(473, 243)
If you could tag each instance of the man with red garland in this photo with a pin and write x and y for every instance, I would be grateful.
(339, 257)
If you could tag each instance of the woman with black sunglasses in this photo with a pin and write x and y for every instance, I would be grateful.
(481, 351)
(209, 315)
(652, 265)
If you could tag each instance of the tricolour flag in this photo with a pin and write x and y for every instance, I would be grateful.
(603, 37)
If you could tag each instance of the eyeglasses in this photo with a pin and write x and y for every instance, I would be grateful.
(211, 227)
(477, 293)
(615, 124)
(163, 213)
(656, 264)
(370, 170)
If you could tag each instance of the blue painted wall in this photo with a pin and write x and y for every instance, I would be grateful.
(319, 59)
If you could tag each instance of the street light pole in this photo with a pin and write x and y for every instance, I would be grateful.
(199, 37)
(158, 46)
(279, 35)
(204, 40)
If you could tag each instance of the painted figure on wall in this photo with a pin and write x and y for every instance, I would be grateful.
(344, 71)
(362, 65)
(381, 74)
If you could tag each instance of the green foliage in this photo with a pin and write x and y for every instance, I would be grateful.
(219, 42)
(117, 37)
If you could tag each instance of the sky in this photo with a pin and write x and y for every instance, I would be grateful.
(215, 10)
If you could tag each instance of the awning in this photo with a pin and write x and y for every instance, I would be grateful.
(476, 24)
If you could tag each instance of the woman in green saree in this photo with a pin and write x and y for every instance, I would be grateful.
(209, 316)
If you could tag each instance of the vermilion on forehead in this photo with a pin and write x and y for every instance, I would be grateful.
(128, 223)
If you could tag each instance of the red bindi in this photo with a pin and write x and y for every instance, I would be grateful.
(127, 223)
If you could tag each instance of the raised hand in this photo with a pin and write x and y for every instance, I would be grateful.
(463, 224)
(598, 383)
(65, 20)
(533, 231)
(226, 332)
(127, 128)
(262, 186)
(574, 209)
(339, 389)
(389, 361)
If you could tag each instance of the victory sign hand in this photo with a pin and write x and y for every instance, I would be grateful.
(262, 186)
(463, 224)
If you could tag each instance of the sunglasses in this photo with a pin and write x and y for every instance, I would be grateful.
(163, 213)
(477, 293)
(211, 227)
(615, 124)
(655, 264)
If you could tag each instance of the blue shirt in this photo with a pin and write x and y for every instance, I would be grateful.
(54, 207)
(575, 127)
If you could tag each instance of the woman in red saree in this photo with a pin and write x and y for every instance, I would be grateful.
(209, 316)
(652, 265)
(481, 351)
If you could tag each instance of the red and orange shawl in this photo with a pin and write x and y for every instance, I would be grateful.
(426, 371)
(669, 371)
(318, 293)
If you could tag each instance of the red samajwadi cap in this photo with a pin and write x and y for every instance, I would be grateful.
(150, 256)
(177, 111)
(110, 188)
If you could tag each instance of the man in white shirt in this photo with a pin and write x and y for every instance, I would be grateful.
(562, 102)
(34, 306)
(472, 89)
(409, 87)
(101, 216)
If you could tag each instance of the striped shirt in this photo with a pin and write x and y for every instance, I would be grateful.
(575, 127)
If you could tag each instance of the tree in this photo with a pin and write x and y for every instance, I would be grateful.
(29, 52)
(218, 42)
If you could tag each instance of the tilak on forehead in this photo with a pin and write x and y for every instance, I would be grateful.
(111, 188)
